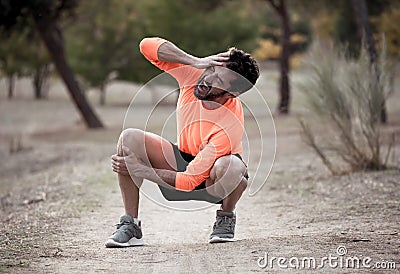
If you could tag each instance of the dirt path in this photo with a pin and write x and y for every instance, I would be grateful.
(299, 212)
(59, 202)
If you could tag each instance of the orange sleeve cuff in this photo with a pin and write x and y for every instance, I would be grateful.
(187, 182)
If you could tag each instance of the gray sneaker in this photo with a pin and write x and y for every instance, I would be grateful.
(224, 227)
(129, 233)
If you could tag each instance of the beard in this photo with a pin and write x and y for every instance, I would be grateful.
(208, 96)
(204, 91)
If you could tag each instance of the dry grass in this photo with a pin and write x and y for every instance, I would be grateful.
(345, 96)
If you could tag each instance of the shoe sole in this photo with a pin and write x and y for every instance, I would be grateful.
(131, 242)
(217, 239)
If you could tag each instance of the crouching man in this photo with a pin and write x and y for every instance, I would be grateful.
(206, 164)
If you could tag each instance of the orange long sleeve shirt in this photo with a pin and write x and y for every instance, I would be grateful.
(204, 133)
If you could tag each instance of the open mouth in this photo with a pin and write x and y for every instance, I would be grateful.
(203, 87)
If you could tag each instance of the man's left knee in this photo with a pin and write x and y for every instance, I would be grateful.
(229, 164)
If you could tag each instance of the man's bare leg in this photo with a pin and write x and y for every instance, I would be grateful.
(229, 203)
(130, 194)
(227, 181)
(147, 147)
(129, 187)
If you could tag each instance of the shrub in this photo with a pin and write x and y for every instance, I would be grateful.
(345, 97)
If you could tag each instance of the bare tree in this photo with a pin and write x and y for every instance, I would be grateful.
(11, 85)
(40, 81)
(365, 34)
(284, 89)
(46, 15)
(52, 37)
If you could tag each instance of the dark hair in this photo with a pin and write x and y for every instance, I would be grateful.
(245, 65)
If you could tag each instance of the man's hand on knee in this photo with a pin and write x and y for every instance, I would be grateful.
(118, 164)
(122, 164)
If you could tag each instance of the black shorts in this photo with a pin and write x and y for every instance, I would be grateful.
(199, 193)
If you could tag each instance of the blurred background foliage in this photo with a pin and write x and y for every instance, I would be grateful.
(106, 37)
(102, 36)
(23, 54)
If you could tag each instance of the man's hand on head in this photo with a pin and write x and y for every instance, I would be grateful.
(219, 59)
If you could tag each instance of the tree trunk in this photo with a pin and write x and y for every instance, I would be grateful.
(52, 38)
(365, 34)
(102, 94)
(11, 85)
(285, 55)
(40, 81)
(284, 89)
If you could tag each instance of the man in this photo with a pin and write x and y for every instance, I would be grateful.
(206, 164)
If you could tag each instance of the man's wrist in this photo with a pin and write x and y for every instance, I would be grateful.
(194, 61)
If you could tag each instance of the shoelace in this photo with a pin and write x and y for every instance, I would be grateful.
(225, 219)
(123, 223)
(136, 230)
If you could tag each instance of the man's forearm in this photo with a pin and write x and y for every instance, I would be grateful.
(162, 177)
(168, 52)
